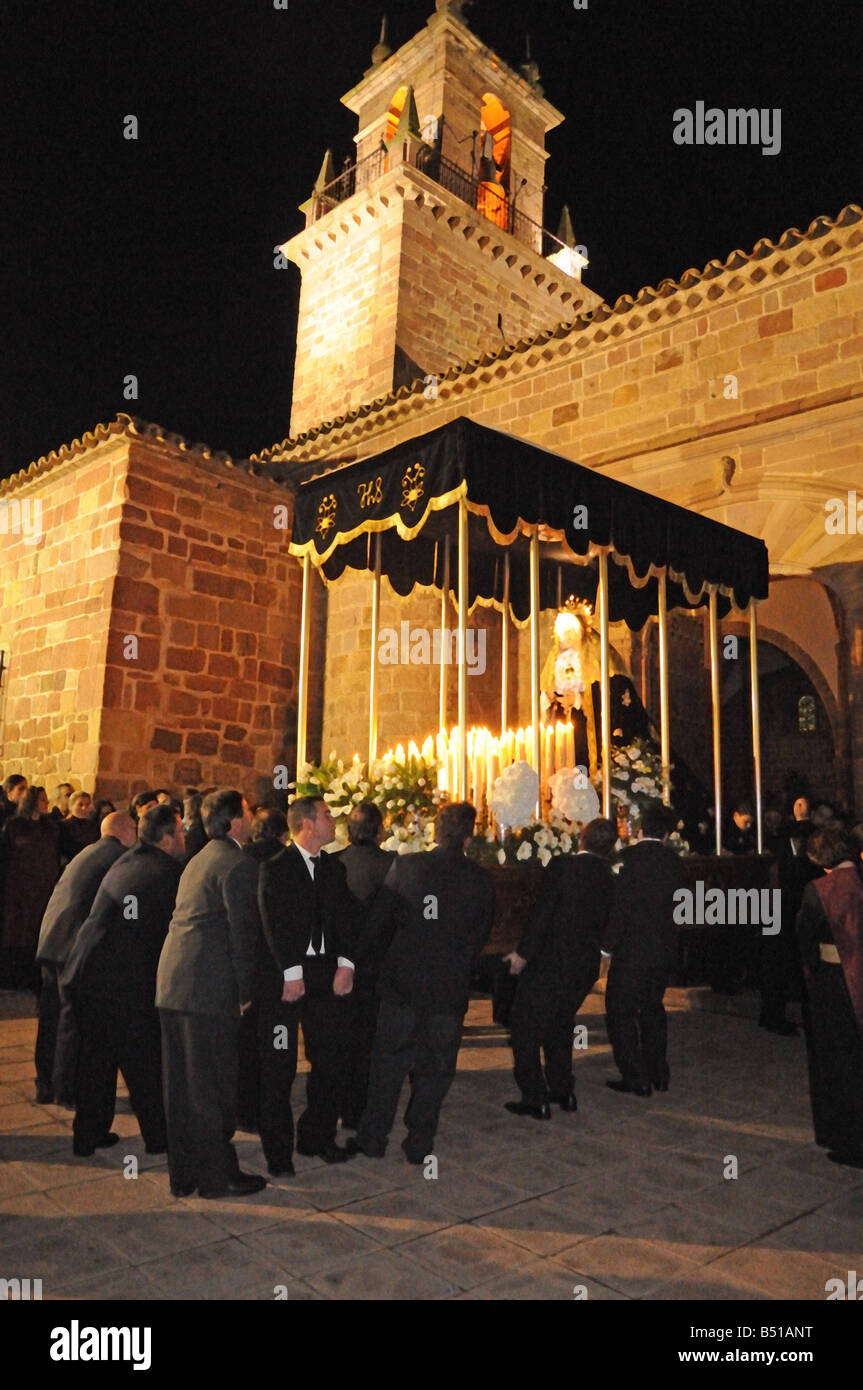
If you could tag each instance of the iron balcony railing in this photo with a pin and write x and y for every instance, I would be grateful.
(488, 198)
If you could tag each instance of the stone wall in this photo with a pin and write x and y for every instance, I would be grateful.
(55, 606)
(152, 634)
(205, 586)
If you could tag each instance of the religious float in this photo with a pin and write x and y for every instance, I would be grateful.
(485, 518)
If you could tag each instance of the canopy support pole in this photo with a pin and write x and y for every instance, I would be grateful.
(373, 669)
(504, 647)
(715, 694)
(756, 724)
(604, 683)
(536, 732)
(664, 736)
(462, 648)
(303, 701)
(444, 645)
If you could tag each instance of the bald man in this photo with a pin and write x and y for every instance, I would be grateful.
(68, 907)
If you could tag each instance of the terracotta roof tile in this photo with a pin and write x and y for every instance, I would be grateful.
(133, 428)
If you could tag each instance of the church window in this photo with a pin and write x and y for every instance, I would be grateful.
(394, 114)
(494, 170)
(806, 714)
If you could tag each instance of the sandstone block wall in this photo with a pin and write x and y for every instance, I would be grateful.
(205, 585)
(55, 597)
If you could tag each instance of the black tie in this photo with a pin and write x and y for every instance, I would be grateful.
(317, 925)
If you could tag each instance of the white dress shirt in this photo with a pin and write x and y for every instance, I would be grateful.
(295, 972)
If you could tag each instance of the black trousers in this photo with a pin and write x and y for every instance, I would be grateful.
(249, 1071)
(364, 1009)
(780, 973)
(114, 1034)
(637, 1026)
(835, 1053)
(46, 1034)
(199, 1061)
(542, 1017)
(426, 1045)
(278, 1027)
(325, 1022)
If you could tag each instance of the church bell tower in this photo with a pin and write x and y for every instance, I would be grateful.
(428, 249)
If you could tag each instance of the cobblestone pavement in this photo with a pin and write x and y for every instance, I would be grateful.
(627, 1199)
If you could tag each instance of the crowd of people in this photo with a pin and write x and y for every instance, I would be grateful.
(186, 944)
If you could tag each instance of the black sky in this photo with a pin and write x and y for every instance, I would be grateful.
(155, 256)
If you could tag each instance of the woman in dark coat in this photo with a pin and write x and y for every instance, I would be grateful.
(830, 931)
(31, 868)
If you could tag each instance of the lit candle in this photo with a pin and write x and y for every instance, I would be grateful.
(399, 753)
(569, 743)
(559, 746)
(519, 745)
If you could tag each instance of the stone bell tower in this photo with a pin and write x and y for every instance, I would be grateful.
(427, 249)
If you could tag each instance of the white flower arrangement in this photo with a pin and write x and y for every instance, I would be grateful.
(516, 791)
(636, 779)
(573, 796)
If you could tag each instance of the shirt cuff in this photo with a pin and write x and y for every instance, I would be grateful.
(606, 954)
(294, 973)
(344, 963)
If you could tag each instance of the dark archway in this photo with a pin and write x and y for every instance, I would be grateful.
(797, 742)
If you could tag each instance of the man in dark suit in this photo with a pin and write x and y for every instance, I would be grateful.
(641, 941)
(110, 977)
(68, 907)
(204, 984)
(439, 907)
(308, 921)
(366, 866)
(559, 956)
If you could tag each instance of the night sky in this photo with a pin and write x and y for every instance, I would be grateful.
(155, 256)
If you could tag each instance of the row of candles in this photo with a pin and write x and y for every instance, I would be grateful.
(488, 754)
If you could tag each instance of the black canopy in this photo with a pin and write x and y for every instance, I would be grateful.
(407, 494)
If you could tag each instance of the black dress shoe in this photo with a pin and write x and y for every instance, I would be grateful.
(106, 1142)
(567, 1103)
(849, 1160)
(240, 1185)
(353, 1147)
(44, 1095)
(415, 1151)
(536, 1112)
(662, 1084)
(185, 1191)
(330, 1153)
(625, 1088)
(785, 1029)
(282, 1170)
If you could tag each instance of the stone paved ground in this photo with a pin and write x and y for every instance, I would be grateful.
(626, 1199)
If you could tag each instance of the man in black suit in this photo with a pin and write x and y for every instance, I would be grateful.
(308, 921)
(439, 907)
(559, 956)
(641, 941)
(110, 977)
(68, 907)
(366, 866)
(203, 985)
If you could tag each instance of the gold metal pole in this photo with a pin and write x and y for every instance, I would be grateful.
(463, 602)
(303, 704)
(373, 666)
(665, 741)
(536, 739)
(715, 695)
(605, 685)
(504, 647)
(756, 724)
(444, 645)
